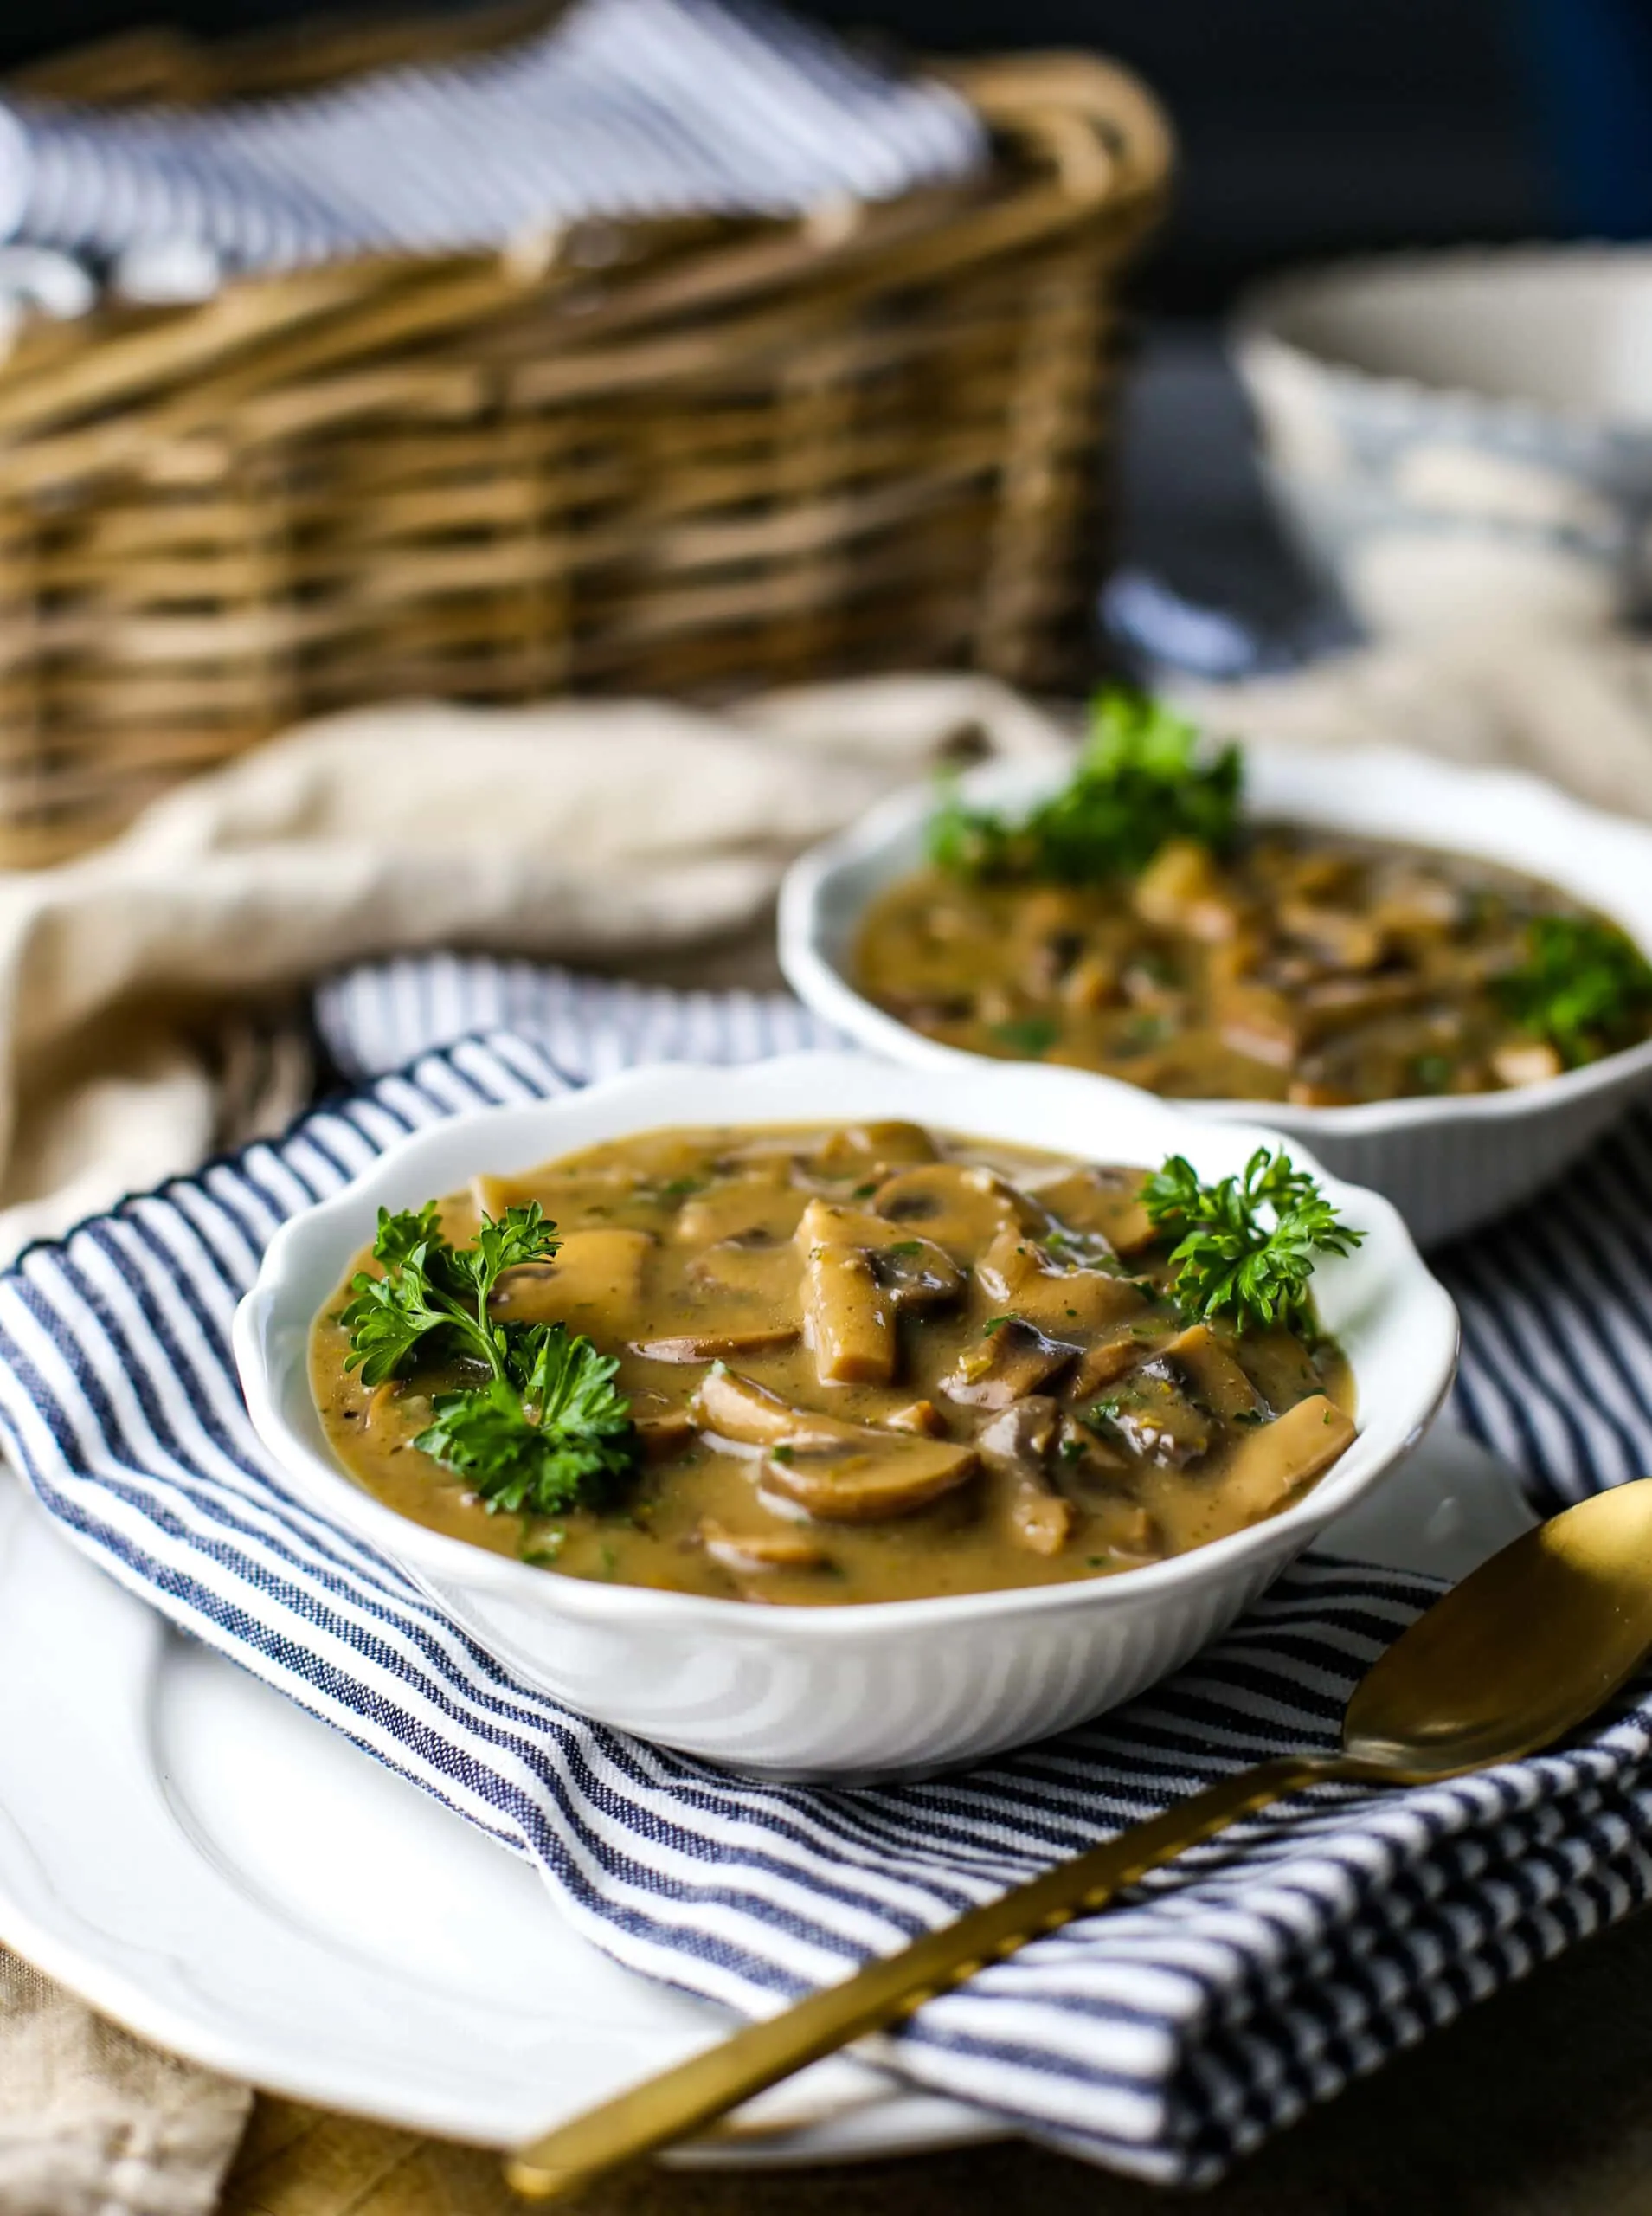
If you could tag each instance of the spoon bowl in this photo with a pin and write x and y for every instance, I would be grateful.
(1518, 1654)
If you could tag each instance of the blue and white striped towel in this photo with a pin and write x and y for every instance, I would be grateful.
(1164, 2037)
(624, 107)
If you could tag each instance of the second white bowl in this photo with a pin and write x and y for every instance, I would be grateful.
(1447, 1162)
(890, 1686)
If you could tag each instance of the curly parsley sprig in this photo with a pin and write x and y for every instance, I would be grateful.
(1248, 1245)
(547, 1430)
(1583, 986)
(1139, 782)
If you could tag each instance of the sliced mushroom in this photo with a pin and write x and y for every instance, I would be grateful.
(716, 1346)
(1016, 1272)
(868, 1146)
(848, 1317)
(556, 1191)
(1261, 1022)
(1525, 1061)
(661, 1436)
(1015, 1445)
(1156, 1419)
(748, 1551)
(757, 1199)
(921, 1416)
(1340, 1003)
(958, 1206)
(755, 1264)
(1343, 936)
(1181, 889)
(859, 1272)
(1124, 1530)
(1215, 1374)
(739, 1409)
(1011, 1360)
(1279, 1459)
(1105, 1203)
(842, 1472)
(869, 1477)
(1085, 1460)
(594, 1273)
(1106, 1362)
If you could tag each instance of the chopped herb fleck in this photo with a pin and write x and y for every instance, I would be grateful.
(1032, 1035)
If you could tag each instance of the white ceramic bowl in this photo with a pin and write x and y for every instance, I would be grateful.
(1463, 436)
(892, 1686)
(1446, 1163)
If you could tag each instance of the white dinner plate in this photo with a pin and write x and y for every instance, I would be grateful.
(232, 1880)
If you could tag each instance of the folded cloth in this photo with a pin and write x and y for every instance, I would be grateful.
(622, 108)
(1164, 2037)
(589, 830)
(93, 2123)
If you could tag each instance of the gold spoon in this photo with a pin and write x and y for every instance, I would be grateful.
(1525, 1649)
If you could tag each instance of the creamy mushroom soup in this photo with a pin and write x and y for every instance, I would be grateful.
(854, 1364)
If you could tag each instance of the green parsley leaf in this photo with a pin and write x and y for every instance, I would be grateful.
(548, 1430)
(1247, 1245)
(1032, 1035)
(551, 1436)
(1139, 782)
(1584, 986)
(427, 1286)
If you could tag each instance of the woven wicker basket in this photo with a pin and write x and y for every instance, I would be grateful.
(673, 457)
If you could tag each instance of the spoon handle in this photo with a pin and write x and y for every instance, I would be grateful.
(685, 2099)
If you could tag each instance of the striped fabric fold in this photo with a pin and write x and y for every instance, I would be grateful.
(623, 108)
(1164, 2039)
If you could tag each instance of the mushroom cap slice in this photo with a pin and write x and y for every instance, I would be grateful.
(748, 1551)
(865, 1147)
(758, 1199)
(1273, 1463)
(715, 1346)
(1105, 1203)
(1214, 1373)
(871, 1478)
(913, 1269)
(842, 1472)
(1017, 1274)
(848, 1317)
(958, 1206)
(1016, 1446)
(594, 1281)
(1008, 1363)
(755, 1264)
(859, 1271)
(1156, 1419)
(739, 1409)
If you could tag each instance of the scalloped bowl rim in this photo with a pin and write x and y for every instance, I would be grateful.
(1255, 328)
(317, 1243)
(890, 828)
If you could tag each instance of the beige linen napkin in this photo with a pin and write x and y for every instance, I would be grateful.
(588, 831)
(93, 2123)
(1573, 707)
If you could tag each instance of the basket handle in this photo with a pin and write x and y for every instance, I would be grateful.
(1110, 135)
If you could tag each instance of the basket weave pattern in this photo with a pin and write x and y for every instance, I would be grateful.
(671, 457)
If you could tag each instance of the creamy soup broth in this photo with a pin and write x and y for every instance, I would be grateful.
(868, 1363)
